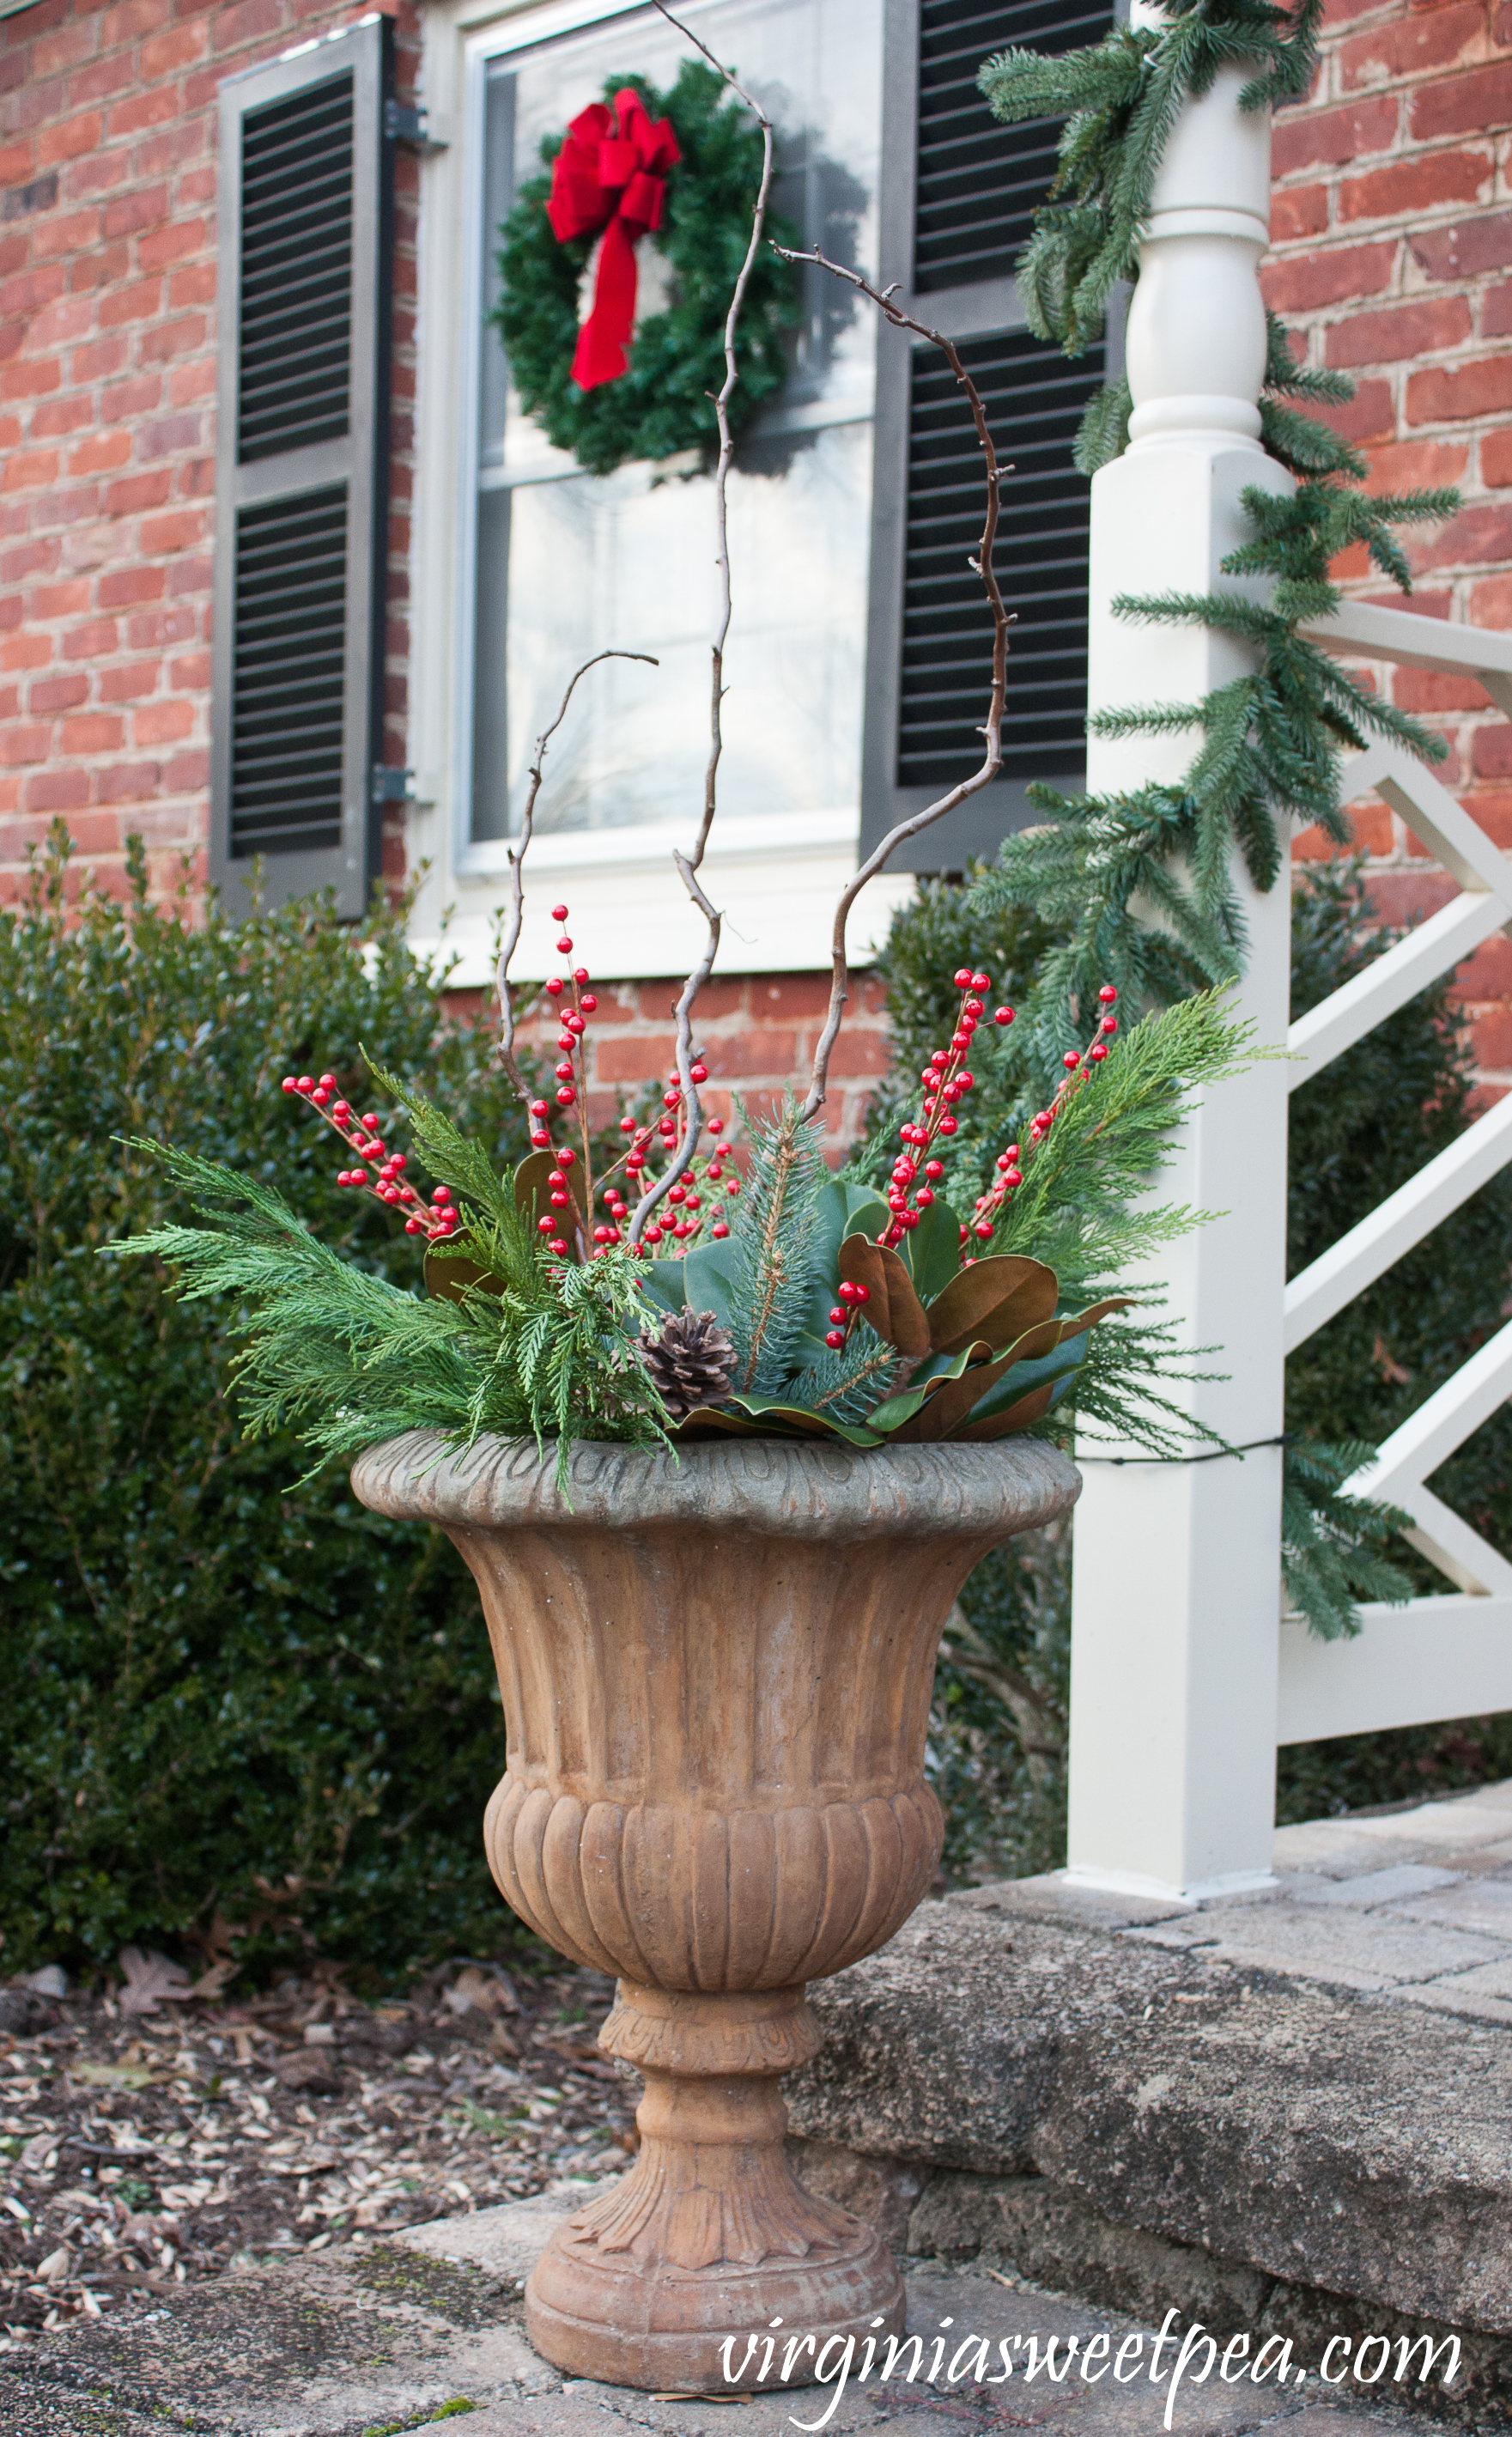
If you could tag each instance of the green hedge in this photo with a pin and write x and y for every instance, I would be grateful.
(220, 1692)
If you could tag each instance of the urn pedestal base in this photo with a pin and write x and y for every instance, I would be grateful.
(710, 2237)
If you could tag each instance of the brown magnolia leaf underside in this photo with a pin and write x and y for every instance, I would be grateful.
(1031, 1408)
(995, 1300)
(893, 1310)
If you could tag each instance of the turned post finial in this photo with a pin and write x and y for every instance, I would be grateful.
(1195, 347)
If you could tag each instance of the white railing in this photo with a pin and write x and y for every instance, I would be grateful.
(1181, 1683)
(1450, 1656)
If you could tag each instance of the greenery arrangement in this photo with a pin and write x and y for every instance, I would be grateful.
(221, 1696)
(1139, 883)
(662, 404)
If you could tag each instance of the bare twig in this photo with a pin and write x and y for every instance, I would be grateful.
(509, 940)
(992, 730)
(688, 863)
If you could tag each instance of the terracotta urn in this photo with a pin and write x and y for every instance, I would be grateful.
(717, 1674)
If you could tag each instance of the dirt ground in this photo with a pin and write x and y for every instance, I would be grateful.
(150, 2140)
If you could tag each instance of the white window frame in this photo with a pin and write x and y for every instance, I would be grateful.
(776, 877)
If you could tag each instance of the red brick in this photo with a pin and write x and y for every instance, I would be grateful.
(57, 791)
(190, 382)
(180, 47)
(127, 783)
(129, 399)
(1300, 283)
(1456, 393)
(181, 530)
(102, 80)
(249, 20)
(637, 1058)
(170, 244)
(54, 54)
(130, 20)
(19, 745)
(25, 651)
(101, 452)
(1487, 973)
(1491, 1037)
(61, 233)
(171, 339)
(1315, 139)
(1403, 187)
(163, 722)
(142, 209)
(1480, 536)
(129, 684)
(66, 141)
(1466, 248)
(145, 110)
(1390, 333)
(94, 731)
(1495, 458)
(30, 469)
(184, 771)
(193, 283)
(1476, 103)
(88, 642)
(35, 379)
(1496, 312)
(1491, 751)
(137, 493)
(136, 303)
(1298, 212)
(1411, 45)
(56, 418)
(50, 694)
(88, 272)
(99, 359)
(31, 290)
(128, 584)
(191, 672)
(1371, 414)
(1430, 692)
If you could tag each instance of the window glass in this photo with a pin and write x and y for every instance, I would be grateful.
(569, 564)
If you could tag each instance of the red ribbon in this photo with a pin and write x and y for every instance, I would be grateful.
(614, 180)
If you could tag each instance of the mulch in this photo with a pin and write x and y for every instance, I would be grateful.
(141, 2150)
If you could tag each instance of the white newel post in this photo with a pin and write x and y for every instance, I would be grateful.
(1176, 1591)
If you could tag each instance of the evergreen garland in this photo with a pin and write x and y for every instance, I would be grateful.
(1271, 741)
(663, 403)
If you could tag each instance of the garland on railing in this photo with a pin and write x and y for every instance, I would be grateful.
(1140, 883)
(1271, 741)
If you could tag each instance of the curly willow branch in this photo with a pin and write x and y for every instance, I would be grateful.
(688, 863)
(509, 938)
(992, 730)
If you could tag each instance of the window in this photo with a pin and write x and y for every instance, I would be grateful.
(859, 648)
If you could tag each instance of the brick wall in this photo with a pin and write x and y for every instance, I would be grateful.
(1393, 261)
(757, 1034)
(107, 413)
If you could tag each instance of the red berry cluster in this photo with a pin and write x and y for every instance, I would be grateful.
(1077, 1064)
(946, 1080)
(852, 1296)
(382, 1172)
(685, 1206)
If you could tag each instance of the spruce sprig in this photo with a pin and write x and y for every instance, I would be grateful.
(774, 1246)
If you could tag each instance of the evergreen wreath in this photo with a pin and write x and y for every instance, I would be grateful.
(663, 404)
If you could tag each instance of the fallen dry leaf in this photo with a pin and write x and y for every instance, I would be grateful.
(150, 1979)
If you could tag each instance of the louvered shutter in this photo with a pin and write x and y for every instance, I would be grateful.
(302, 469)
(957, 205)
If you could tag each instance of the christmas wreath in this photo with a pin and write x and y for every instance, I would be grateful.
(676, 169)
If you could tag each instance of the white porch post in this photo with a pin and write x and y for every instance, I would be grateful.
(1176, 1592)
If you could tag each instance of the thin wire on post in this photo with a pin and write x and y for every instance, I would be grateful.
(688, 865)
(992, 731)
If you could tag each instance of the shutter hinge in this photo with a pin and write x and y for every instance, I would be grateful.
(390, 786)
(405, 126)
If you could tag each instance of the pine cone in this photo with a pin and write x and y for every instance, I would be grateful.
(690, 1360)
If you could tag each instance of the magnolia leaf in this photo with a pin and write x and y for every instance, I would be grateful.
(666, 1285)
(894, 1411)
(711, 1282)
(839, 1210)
(450, 1275)
(947, 1402)
(892, 1310)
(534, 1180)
(932, 1250)
(1051, 1354)
(995, 1300)
(1028, 1409)
(760, 1418)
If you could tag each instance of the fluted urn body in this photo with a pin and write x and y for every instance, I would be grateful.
(716, 1672)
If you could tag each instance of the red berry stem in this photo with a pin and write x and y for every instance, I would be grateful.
(387, 1184)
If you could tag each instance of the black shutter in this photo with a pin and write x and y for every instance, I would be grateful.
(306, 218)
(957, 205)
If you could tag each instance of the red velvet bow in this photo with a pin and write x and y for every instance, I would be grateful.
(614, 181)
